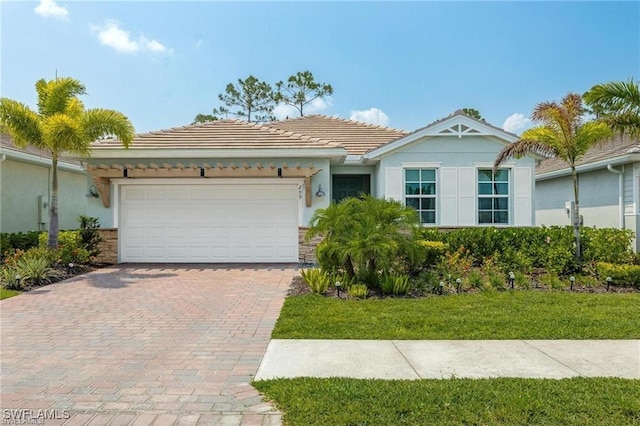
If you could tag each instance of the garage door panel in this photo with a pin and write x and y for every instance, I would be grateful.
(209, 223)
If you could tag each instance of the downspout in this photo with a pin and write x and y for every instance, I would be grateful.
(620, 193)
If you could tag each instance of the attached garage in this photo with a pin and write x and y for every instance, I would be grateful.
(203, 222)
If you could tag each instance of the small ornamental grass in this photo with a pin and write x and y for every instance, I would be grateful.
(316, 279)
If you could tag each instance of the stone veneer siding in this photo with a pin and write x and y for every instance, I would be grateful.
(109, 246)
(307, 251)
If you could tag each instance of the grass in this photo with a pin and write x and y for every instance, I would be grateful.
(503, 315)
(5, 294)
(576, 401)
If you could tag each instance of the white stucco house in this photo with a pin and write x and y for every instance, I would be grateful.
(609, 187)
(231, 191)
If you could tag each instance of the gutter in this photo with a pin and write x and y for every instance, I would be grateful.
(630, 157)
(620, 193)
(40, 161)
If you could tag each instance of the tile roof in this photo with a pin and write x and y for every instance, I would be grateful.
(6, 142)
(220, 134)
(355, 136)
(615, 147)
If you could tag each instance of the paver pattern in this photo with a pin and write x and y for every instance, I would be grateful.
(142, 345)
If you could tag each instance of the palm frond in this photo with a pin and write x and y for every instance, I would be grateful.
(54, 95)
(62, 132)
(615, 96)
(524, 147)
(590, 134)
(100, 122)
(22, 123)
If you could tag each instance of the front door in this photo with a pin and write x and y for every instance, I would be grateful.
(350, 186)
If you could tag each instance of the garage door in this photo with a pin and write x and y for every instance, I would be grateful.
(208, 223)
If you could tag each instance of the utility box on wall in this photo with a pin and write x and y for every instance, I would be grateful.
(43, 212)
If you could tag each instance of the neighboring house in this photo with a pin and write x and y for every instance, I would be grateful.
(231, 191)
(608, 178)
(25, 187)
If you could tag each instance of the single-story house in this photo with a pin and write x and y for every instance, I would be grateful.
(25, 188)
(231, 191)
(609, 187)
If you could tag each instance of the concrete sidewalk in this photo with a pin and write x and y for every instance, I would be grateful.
(443, 359)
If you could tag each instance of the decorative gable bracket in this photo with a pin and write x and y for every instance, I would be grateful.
(102, 174)
(459, 130)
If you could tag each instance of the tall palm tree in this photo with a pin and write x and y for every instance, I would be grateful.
(562, 134)
(61, 124)
(618, 103)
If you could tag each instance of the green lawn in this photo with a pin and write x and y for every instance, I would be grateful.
(5, 294)
(499, 315)
(578, 401)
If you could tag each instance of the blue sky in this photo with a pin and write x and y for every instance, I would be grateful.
(401, 64)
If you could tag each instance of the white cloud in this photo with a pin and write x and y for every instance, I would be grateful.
(113, 35)
(516, 122)
(371, 115)
(282, 111)
(49, 8)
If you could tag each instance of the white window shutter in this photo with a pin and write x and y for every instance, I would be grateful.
(467, 196)
(449, 196)
(393, 183)
(522, 203)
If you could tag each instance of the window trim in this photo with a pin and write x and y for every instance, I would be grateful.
(423, 166)
(509, 195)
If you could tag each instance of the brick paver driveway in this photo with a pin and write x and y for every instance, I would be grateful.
(161, 345)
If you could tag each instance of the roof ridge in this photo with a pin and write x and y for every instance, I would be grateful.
(345, 120)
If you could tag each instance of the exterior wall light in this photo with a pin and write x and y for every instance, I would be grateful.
(93, 192)
(320, 192)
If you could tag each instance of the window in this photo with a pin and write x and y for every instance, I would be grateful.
(493, 196)
(420, 192)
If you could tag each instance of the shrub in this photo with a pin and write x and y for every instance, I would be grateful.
(317, 280)
(628, 275)
(9, 278)
(358, 291)
(70, 249)
(362, 236)
(553, 247)
(395, 284)
(18, 241)
(608, 245)
(454, 265)
(88, 234)
(475, 280)
(433, 252)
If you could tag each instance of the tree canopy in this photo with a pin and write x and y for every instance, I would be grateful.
(472, 112)
(300, 90)
(61, 124)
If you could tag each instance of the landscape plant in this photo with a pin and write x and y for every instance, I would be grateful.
(364, 236)
(316, 279)
(60, 124)
(561, 133)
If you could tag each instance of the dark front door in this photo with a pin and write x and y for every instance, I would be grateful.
(350, 186)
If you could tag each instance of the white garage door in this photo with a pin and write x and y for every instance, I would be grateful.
(208, 223)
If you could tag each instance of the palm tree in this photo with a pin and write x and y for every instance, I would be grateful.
(60, 125)
(617, 103)
(561, 134)
(364, 235)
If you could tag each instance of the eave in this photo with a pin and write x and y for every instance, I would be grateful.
(596, 165)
